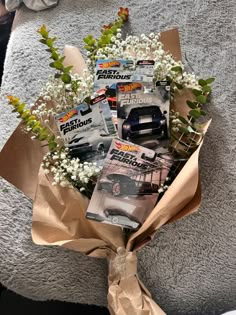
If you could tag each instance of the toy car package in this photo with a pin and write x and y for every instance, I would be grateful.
(144, 72)
(109, 72)
(127, 189)
(143, 117)
(87, 130)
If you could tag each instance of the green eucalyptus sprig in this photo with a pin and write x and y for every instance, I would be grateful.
(57, 63)
(32, 123)
(186, 131)
(107, 33)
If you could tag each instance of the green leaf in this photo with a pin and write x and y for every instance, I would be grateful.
(210, 80)
(179, 86)
(43, 31)
(201, 99)
(184, 130)
(57, 65)
(62, 59)
(114, 29)
(52, 146)
(55, 56)
(43, 41)
(202, 82)
(177, 69)
(88, 38)
(206, 89)
(66, 78)
(104, 40)
(32, 117)
(192, 105)
(20, 108)
(52, 138)
(49, 42)
(42, 136)
(67, 69)
(87, 100)
(183, 120)
(26, 115)
(106, 32)
(195, 113)
(89, 48)
(196, 92)
(168, 79)
(92, 42)
(36, 129)
(202, 113)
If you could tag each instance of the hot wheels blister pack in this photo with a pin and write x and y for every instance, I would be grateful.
(109, 72)
(127, 189)
(87, 130)
(143, 117)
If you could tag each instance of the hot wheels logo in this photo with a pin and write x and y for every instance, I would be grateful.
(67, 116)
(109, 64)
(127, 147)
(130, 87)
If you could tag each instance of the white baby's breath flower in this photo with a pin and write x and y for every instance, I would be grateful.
(63, 156)
(64, 183)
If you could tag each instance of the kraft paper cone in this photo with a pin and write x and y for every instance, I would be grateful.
(22, 172)
(58, 213)
(59, 219)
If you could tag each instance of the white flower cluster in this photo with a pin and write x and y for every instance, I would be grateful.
(63, 96)
(175, 122)
(70, 172)
(148, 47)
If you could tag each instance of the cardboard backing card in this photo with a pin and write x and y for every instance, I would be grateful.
(109, 72)
(127, 189)
(143, 116)
(87, 130)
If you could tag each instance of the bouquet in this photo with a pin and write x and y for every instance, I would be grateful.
(61, 184)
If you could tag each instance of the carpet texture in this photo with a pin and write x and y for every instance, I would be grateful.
(190, 267)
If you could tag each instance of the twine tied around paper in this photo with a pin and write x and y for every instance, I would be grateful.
(123, 264)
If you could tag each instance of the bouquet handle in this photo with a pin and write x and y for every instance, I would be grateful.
(126, 294)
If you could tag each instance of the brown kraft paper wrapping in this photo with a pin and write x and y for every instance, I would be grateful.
(59, 213)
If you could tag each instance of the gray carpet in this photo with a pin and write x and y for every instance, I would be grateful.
(190, 267)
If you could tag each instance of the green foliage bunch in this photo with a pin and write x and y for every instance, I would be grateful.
(186, 131)
(32, 123)
(107, 33)
(57, 63)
